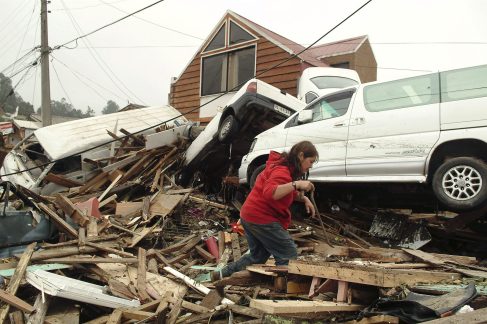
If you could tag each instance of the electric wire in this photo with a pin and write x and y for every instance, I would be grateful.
(86, 7)
(151, 22)
(25, 33)
(181, 114)
(61, 84)
(77, 74)
(97, 58)
(107, 25)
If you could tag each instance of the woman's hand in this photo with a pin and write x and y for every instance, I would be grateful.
(310, 209)
(304, 185)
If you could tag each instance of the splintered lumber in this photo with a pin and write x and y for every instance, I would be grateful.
(62, 181)
(72, 210)
(96, 180)
(61, 223)
(247, 311)
(382, 254)
(477, 316)
(16, 317)
(90, 260)
(15, 301)
(301, 307)
(116, 317)
(104, 248)
(236, 247)
(14, 283)
(141, 275)
(58, 253)
(163, 205)
(368, 275)
(41, 305)
(190, 282)
(207, 202)
(442, 263)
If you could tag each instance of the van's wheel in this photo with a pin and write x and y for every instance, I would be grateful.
(254, 175)
(228, 129)
(461, 183)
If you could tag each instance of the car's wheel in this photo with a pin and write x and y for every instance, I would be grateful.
(228, 129)
(254, 175)
(461, 183)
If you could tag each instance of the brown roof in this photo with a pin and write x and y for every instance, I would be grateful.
(349, 45)
(281, 41)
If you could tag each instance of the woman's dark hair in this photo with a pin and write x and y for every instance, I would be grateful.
(291, 158)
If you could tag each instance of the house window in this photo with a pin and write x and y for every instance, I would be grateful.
(224, 72)
(218, 41)
(238, 34)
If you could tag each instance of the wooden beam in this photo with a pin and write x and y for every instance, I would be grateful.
(91, 260)
(61, 223)
(378, 319)
(62, 181)
(14, 283)
(115, 317)
(141, 275)
(41, 305)
(71, 210)
(366, 274)
(297, 307)
(15, 301)
(107, 249)
(237, 254)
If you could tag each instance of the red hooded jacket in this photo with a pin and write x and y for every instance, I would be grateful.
(260, 207)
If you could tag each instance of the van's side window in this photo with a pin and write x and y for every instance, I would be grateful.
(464, 83)
(416, 91)
(331, 106)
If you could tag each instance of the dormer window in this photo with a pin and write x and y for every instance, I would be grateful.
(238, 34)
(234, 60)
(218, 41)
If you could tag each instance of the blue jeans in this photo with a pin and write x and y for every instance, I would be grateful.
(264, 240)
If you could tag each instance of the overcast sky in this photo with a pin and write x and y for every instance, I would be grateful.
(133, 60)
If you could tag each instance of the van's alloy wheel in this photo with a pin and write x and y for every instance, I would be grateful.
(460, 183)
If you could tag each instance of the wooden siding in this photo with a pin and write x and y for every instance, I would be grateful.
(184, 94)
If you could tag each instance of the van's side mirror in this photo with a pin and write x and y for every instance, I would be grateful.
(305, 116)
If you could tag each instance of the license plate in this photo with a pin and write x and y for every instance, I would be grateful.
(282, 110)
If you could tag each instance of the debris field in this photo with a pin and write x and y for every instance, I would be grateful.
(133, 247)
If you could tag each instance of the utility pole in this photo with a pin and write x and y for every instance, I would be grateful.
(45, 83)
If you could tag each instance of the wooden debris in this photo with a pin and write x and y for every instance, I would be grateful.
(300, 307)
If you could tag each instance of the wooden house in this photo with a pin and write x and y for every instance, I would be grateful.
(237, 49)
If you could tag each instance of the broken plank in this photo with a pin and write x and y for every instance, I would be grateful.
(163, 205)
(205, 254)
(14, 282)
(94, 260)
(96, 179)
(110, 187)
(115, 317)
(141, 275)
(71, 210)
(107, 201)
(136, 314)
(41, 305)
(368, 275)
(237, 254)
(207, 202)
(247, 311)
(62, 181)
(301, 307)
(61, 223)
(16, 317)
(104, 248)
(15, 301)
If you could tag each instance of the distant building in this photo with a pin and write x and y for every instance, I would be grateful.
(238, 48)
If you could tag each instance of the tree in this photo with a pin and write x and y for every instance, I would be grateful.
(64, 108)
(10, 100)
(89, 112)
(110, 108)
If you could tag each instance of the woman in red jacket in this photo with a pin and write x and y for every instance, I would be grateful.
(265, 215)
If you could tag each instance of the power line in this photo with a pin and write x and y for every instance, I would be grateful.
(107, 25)
(61, 84)
(153, 23)
(98, 59)
(86, 7)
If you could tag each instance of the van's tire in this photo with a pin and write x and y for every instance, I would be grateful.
(254, 175)
(461, 183)
(228, 129)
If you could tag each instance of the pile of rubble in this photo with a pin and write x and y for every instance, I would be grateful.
(133, 247)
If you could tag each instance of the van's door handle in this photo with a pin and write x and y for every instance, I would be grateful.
(341, 124)
(359, 120)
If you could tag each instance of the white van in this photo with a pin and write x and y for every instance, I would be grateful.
(64, 142)
(318, 81)
(429, 129)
